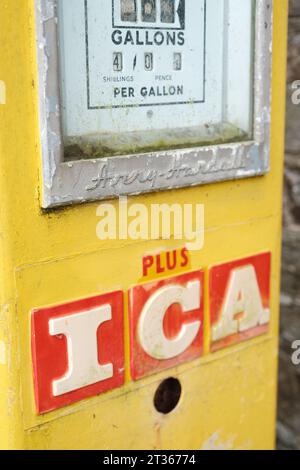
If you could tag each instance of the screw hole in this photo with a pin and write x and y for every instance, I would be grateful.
(167, 395)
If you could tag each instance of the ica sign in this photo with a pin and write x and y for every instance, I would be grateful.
(78, 347)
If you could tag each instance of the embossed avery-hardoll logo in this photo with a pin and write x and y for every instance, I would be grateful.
(159, 14)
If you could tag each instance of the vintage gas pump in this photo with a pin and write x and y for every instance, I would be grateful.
(141, 148)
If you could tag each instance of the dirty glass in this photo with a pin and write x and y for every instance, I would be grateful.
(153, 75)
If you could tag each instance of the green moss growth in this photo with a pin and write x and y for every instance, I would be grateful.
(93, 148)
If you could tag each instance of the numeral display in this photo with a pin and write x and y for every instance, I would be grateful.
(149, 11)
(177, 61)
(148, 61)
(128, 10)
(167, 11)
(118, 61)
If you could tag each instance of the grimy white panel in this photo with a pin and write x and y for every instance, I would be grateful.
(138, 65)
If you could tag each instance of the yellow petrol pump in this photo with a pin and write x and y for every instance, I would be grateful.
(141, 149)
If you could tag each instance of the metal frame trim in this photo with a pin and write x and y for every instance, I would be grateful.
(104, 178)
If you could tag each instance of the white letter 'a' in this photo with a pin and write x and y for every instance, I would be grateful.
(81, 332)
(150, 327)
(242, 297)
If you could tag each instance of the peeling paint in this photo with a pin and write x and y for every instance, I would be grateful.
(2, 92)
(214, 442)
(2, 353)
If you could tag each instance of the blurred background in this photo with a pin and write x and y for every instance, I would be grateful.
(289, 374)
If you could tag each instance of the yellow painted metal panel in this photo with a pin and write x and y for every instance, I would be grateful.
(46, 258)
